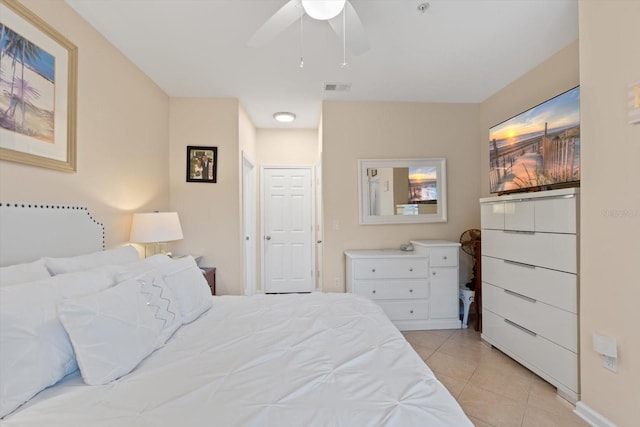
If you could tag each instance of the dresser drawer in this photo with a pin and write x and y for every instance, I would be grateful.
(444, 257)
(558, 326)
(534, 351)
(405, 310)
(552, 287)
(519, 216)
(390, 289)
(556, 215)
(390, 268)
(492, 215)
(554, 251)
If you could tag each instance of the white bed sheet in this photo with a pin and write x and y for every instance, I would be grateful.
(279, 360)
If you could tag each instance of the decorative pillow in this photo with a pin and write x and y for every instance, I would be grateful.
(35, 351)
(123, 255)
(159, 297)
(189, 286)
(22, 273)
(111, 331)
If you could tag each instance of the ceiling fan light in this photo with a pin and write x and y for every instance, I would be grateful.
(323, 10)
(284, 117)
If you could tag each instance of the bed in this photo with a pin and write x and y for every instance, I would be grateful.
(267, 360)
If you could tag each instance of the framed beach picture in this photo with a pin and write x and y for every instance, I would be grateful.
(38, 80)
(202, 163)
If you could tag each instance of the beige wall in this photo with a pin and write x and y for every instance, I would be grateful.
(246, 136)
(278, 147)
(122, 136)
(379, 130)
(210, 213)
(610, 206)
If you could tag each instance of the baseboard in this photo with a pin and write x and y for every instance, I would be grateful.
(591, 416)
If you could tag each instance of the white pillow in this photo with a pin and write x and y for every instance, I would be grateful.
(159, 297)
(35, 351)
(186, 281)
(123, 255)
(22, 273)
(111, 331)
(158, 259)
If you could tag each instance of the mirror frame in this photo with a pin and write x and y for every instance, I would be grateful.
(363, 194)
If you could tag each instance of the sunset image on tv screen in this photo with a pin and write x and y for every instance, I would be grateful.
(537, 148)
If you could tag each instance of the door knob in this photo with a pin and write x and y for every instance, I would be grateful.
(268, 237)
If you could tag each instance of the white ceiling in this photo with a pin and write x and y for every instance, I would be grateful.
(457, 51)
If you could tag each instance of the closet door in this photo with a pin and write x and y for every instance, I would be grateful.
(287, 230)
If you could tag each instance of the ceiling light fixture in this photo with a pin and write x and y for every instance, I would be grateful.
(284, 117)
(323, 10)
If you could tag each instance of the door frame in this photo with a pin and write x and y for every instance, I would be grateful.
(312, 199)
(319, 229)
(249, 225)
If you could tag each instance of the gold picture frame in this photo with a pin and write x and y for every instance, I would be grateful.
(36, 62)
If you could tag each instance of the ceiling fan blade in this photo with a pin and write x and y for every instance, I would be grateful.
(279, 21)
(357, 40)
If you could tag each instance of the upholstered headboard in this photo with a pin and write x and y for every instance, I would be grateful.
(29, 231)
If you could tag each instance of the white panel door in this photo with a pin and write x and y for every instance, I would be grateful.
(249, 224)
(288, 230)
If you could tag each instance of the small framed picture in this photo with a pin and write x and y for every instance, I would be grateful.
(202, 164)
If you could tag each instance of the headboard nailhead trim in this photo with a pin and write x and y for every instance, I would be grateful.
(31, 206)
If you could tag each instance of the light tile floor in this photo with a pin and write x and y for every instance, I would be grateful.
(492, 389)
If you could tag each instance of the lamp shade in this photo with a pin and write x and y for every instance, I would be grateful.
(155, 227)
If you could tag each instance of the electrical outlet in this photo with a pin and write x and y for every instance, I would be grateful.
(611, 363)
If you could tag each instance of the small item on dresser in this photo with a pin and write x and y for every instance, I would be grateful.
(407, 247)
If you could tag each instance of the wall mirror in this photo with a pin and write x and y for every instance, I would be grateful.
(402, 191)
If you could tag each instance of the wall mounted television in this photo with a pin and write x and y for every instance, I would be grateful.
(539, 149)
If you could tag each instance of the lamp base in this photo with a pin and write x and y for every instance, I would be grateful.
(151, 249)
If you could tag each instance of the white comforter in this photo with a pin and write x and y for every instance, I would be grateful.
(287, 360)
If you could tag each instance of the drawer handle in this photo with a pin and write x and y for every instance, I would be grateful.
(520, 232)
(433, 273)
(374, 291)
(515, 294)
(410, 290)
(519, 264)
(410, 311)
(444, 257)
(522, 328)
(410, 269)
(373, 270)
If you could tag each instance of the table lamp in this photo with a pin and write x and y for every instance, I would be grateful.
(154, 229)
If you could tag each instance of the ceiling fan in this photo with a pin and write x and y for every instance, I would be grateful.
(340, 14)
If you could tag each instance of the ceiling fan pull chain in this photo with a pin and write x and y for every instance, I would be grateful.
(302, 41)
(344, 39)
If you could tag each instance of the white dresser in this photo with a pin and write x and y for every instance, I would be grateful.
(530, 282)
(417, 290)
